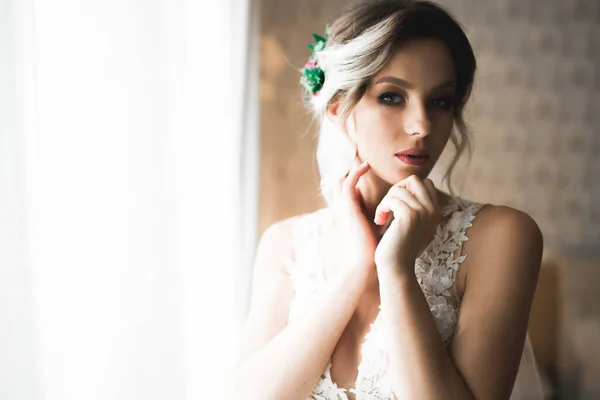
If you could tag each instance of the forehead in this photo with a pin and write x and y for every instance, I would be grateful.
(423, 62)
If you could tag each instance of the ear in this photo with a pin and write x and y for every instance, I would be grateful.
(332, 112)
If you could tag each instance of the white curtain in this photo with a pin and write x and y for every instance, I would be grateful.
(125, 153)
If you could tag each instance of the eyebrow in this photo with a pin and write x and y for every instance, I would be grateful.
(408, 85)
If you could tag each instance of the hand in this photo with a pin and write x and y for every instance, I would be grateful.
(413, 203)
(352, 239)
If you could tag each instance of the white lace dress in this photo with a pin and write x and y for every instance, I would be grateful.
(436, 271)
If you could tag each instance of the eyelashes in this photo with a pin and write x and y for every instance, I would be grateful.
(445, 103)
(391, 99)
(395, 99)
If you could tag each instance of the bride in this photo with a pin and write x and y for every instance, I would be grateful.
(396, 289)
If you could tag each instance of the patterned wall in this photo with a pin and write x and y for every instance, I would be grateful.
(535, 111)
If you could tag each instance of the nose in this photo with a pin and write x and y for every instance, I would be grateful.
(416, 120)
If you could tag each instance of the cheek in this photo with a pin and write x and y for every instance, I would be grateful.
(445, 120)
(442, 131)
(376, 130)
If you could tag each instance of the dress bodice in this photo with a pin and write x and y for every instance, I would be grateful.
(436, 271)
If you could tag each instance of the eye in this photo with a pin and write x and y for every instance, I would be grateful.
(391, 99)
(444, 103)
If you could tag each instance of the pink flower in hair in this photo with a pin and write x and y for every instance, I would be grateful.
(311, 64)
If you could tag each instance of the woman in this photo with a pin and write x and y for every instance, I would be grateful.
(361, 299)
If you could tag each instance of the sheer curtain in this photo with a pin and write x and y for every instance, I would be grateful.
(124, 240)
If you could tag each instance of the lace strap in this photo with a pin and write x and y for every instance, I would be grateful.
(467, 213)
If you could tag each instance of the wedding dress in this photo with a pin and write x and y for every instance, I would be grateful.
(435, 270)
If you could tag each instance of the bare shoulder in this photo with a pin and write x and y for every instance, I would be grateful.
(497, 222)
(276, 241)
(504, 233)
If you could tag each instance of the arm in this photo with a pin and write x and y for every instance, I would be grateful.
(284, 362)
(503, 265)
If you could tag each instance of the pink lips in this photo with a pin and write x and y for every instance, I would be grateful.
(413, 157)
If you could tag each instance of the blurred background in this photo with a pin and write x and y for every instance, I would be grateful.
(127, 196)
(535, 120)
(145, 147)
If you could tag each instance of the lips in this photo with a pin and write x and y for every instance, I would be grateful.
(413, 152)
(413, 160)
(413, 156)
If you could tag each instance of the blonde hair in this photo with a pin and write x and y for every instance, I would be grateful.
(361, 42)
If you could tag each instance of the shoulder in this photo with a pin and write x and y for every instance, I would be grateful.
(279, 239)
(284, 229)
(504, 235)
(276, 240)
(505, 224)
(279, 231)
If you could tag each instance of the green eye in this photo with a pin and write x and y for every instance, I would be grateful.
(391, 99)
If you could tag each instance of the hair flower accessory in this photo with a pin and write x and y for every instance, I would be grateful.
(313, 76)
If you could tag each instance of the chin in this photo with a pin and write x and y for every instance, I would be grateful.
(394, 177)
(393, 173)
(398, 175)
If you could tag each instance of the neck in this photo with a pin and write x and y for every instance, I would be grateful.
(373, 189)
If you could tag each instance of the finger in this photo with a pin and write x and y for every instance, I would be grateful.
(387, 224)
(351, 180)
(408, 197)
(432, 192)
(415, 185)
(398, 207)
(343, 178)
(382, 212)
(384, 208)
(341, 181)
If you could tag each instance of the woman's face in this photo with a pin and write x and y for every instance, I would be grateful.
(408, 105)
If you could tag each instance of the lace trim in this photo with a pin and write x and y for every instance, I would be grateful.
(435, 270)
